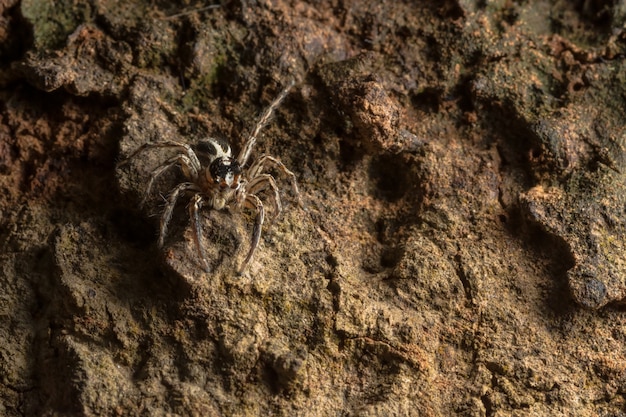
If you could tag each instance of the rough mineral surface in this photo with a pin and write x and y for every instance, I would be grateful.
(460, 249)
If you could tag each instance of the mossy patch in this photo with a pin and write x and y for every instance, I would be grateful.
(53, 21)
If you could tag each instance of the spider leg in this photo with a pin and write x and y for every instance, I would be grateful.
(264, 160)
(186, 165)
(194, 208)
(169, 207)
(253, 202)
(262, 182)
(183, 147)
(265, 117)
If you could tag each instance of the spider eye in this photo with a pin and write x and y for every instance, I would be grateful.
(226, 172)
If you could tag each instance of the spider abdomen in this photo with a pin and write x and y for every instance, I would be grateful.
(213, 148)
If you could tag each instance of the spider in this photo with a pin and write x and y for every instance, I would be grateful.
(217, 180)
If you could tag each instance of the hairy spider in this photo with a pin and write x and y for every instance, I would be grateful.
(221, 181)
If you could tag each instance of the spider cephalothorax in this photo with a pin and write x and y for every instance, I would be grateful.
(226, 173)
(216, 179)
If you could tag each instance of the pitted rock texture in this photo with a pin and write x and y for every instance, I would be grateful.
(460, 246)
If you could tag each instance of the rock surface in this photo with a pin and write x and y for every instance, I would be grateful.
(461, 246)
